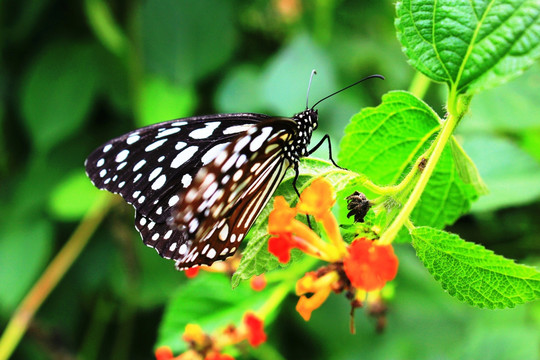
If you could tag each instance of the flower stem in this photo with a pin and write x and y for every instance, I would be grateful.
(439, 144)
(49, 279)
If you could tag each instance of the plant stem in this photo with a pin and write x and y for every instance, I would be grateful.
(49, 279)
(106, 29)
(419, 85)
(403, 216)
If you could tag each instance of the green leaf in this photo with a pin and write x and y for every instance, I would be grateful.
(511, 174)
(73, 197)
(191, 304)
(470, 45)
(384, 142)
(473, 274)
(255, 258)
(162, 100)
(466, 168)
(186, 40)
(24, 251)
(58, 91)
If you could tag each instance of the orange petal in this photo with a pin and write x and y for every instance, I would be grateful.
(194, 333)
(258, 282)
(305, 306)
(163, 353)
(255, 326)
(370, 266)
(280, 218)
(317, 199)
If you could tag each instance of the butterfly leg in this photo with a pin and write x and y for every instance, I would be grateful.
(325, 137)
(296, 175)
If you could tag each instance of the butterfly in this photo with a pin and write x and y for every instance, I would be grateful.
(199, 183)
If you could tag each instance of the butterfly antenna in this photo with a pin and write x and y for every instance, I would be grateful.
(313, 72)
(346, 87)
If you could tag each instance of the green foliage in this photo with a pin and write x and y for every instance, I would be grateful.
(384, 143)
(22, 242)
(190, 304)
(469, 46)
(473, 274)
(184, 40)
(162, 100)
(73, 197)
(63, 71)
(511, 174)
(72, 77)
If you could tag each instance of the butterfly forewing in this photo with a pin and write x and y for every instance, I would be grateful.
(149, 166)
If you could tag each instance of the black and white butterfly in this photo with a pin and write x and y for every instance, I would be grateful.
(199, 183)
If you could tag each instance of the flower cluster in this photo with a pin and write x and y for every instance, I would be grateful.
(361, 269)
(203, 346)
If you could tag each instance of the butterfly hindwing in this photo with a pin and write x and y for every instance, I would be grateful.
(227, 195)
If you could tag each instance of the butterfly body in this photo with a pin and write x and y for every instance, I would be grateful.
(198, 184)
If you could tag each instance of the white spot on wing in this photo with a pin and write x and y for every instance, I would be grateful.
(102, 173)
(154, 173)
(205, 132)
(132, 139)
(236, 129)
(212, 153)
(155, 145)
(122, 155)
(139, 165)
(242, 143)
(224, 233)
(173, 200)
(107, 148)
(100, 162)
(183, 249)
(160, 181)
(260, 139)
(179, 145)
(184, 156)
(211, 254)
(168, 132)
(186, 180)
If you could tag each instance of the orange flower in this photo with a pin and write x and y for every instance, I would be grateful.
(255, 329)
(291, 233)
(194, 334)
(218, 356)
(321, 287)
(370, 266)
(191, 273)
(358, 268)
(164, 353)
(258, 282)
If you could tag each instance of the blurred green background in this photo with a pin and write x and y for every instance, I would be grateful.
(74, 74)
